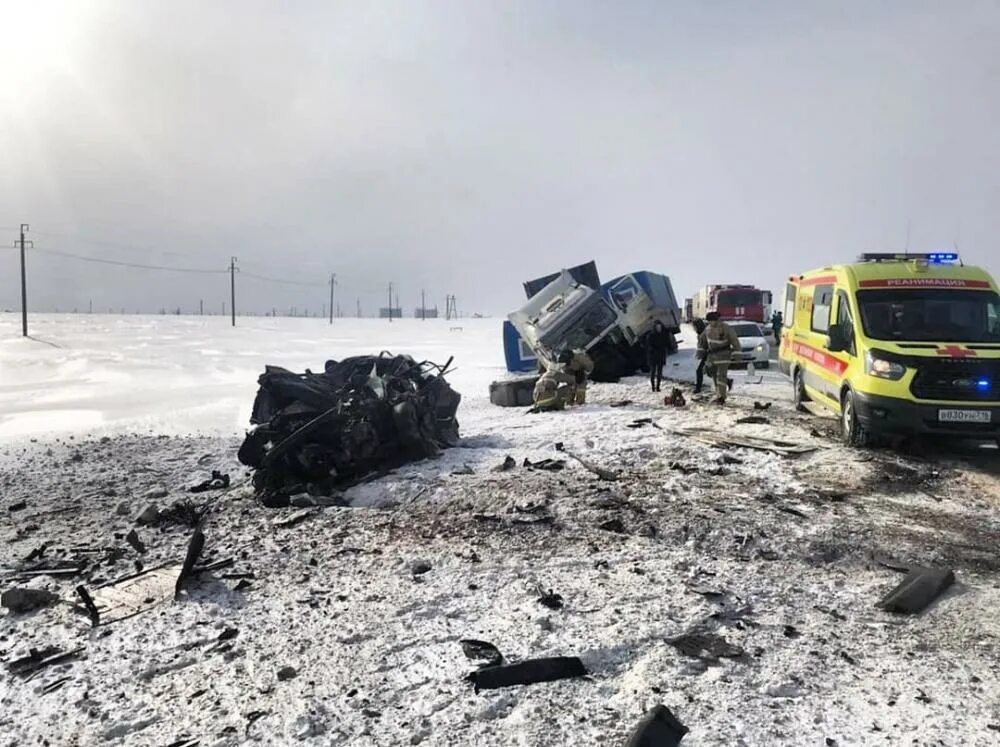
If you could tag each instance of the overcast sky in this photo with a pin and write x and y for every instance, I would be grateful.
(465, 146)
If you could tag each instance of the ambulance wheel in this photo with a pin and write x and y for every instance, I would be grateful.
(852, 433)
(800, 396)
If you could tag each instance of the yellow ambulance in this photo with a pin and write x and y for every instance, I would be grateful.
(896, 345)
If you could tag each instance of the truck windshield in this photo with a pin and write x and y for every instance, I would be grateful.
(931, 315)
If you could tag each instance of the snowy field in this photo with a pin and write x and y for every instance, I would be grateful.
(782, 557)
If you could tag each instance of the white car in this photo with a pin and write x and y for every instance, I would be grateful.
(754, 347)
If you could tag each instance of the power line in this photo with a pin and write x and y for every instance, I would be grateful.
(246, 274)
(136, 265)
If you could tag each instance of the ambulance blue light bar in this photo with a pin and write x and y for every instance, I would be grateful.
(934, 258)
(942, 258)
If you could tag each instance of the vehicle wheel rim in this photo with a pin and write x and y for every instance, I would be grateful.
(848, 415)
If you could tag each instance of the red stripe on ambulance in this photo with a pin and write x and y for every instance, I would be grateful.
(820, 358)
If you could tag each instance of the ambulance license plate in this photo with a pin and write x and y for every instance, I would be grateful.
(964, 416)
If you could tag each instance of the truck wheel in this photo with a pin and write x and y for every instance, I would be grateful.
(799, 387)
(852, 433)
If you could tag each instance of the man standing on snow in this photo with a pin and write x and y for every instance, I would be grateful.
(717, 344)
(657, 344)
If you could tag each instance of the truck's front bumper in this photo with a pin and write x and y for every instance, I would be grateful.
(901, 416)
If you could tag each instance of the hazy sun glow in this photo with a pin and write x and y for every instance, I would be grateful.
(38, 40)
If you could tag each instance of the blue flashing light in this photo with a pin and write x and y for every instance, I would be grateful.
(942, 258)
(983, 385)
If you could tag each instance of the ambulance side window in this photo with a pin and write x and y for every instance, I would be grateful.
(822, 301)
(788, 320)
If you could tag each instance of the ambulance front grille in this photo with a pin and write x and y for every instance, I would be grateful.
(955, 380)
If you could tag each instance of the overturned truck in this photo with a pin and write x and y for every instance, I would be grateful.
(573, 309)
(318, 433)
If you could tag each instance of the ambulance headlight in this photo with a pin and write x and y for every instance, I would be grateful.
(884, 369)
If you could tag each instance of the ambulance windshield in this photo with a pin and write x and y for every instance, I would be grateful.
(930, 315)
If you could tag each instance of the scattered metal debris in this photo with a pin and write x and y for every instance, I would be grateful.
(918, 590)
(527, 672)
(335, 428)
(547, 465)
(218, 481)
(133, 539)
(21, 599)
(708, 436)
(508, 464)
(37, 660)
(658, 728)
(551, 600)
(482, 651)
(753, 420)
(706, 646)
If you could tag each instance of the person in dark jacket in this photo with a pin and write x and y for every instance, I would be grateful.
(658, 343)
(699, 374)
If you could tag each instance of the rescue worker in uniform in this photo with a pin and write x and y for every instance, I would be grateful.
(777, 319)
(699, 374)
(579, 365)
(716, 345)
(657, 344)
(555, 389)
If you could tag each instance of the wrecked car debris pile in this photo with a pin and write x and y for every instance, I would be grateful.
(317, 433)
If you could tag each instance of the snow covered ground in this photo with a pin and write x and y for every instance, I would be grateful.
(780, 556)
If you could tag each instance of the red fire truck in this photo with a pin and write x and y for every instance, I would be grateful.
(743, 302)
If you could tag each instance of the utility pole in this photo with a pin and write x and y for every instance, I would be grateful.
(333, 284)
(359, 308)
(201, 307)
(232, 287)
(423, 306)
(24, 281)
(390, 303)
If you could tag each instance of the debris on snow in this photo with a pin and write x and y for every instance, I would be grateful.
(358, 416)
(551, 600)
(508, 464)
(918, 590)
(217, 481)
(36, 660)
(527, 672)
(658, 728)
(704, 645)
(21, 599)
(481, 651)
(133, 539)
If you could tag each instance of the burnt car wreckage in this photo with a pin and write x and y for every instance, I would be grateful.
(318, 433)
